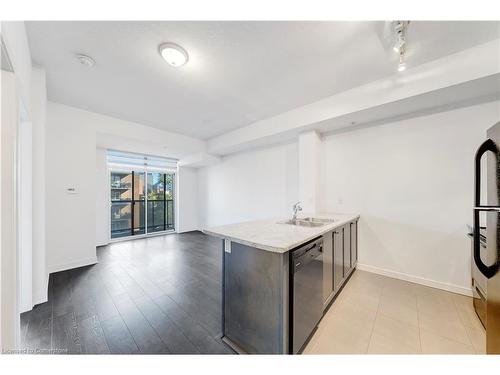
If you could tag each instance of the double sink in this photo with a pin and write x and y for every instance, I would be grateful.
(307, 221)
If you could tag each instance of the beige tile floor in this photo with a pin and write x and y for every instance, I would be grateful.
(379, 315)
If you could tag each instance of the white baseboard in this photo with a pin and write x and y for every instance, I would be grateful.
(185, 230)
(415, 279)
(76, 264)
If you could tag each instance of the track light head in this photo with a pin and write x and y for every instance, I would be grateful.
(399, 46)
(402, 64)
(399, 26)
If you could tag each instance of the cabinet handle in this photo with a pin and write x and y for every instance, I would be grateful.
(488, 271)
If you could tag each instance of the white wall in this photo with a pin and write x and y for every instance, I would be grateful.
(187, 209)
(247, 186)
(412, 183)
(102, 220)
(129, 136)
(309, 149)
(71, 161)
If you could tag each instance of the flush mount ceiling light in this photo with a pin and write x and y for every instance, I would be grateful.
(173, 54)
(85, 60)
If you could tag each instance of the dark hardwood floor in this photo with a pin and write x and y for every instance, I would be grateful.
(157, 295)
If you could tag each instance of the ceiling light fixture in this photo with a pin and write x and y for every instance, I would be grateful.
(85, 60)
(400, 45)
(400, 28)
(173, 54)
(402, 64)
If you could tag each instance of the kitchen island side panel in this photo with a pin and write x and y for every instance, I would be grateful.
(255, 299)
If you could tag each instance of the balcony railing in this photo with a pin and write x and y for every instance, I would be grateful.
(120, 185)
(160, 217)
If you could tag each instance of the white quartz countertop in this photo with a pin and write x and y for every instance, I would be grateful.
(276, 237)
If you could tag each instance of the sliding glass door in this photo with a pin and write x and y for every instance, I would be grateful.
(141, 202)
(156, 202)
(121, 204)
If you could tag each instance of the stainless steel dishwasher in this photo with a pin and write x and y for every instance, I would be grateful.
(306, 292)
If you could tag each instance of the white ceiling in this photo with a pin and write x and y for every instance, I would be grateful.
(238, 72)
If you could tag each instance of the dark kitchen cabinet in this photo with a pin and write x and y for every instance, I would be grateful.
(346, 236)
(327, 268)
(354, 243)
(338, 259)
(344, 255)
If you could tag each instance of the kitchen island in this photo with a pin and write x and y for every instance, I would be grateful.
(266, 310)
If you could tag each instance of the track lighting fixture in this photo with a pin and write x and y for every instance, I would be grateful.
(400, 28)
(399, 46)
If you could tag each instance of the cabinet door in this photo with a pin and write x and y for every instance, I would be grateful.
(327, 266)
(347, 249)
(338, 259)
(354, 243)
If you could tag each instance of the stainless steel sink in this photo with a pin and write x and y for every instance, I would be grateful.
(316, 220)
(303, 223)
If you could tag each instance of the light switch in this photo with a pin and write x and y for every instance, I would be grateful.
(71, 190)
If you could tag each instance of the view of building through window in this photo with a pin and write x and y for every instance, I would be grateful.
(141, 202)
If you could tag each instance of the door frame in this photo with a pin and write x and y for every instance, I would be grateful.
(9, 255)
(24, 175)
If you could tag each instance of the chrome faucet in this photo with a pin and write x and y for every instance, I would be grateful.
(296, 208)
